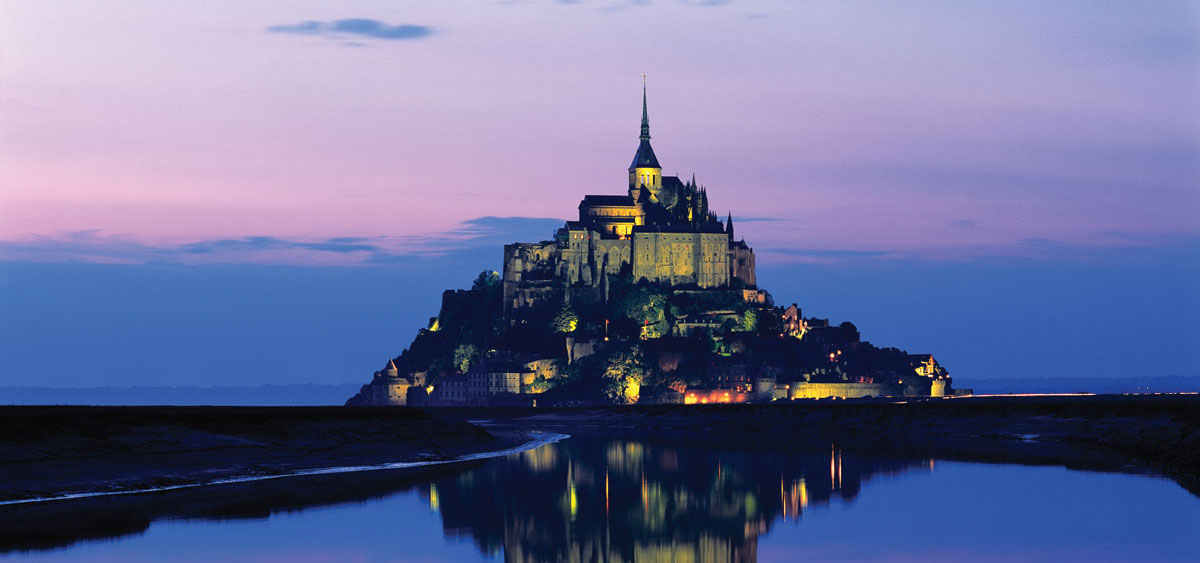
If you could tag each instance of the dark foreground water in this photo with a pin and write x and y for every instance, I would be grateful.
(588, 499)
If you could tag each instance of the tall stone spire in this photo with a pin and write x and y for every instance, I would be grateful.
(729, 225)
(645, 114)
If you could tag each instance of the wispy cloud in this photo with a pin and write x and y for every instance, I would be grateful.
(757, 219)
(776, 255)
(98, 247)
(340, 245)
(355, 27)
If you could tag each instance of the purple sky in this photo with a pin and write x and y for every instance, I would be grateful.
(1012, 185)
(943, 129)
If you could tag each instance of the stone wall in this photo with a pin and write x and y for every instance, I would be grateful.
(911, 387)
(612, 254)
(382, 392)
(529, 271)
(802, 390)
(682, 258)
(741, 264)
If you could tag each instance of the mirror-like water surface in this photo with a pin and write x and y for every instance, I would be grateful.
(590, 499)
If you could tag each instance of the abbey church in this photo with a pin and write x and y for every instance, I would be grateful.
(661, 230)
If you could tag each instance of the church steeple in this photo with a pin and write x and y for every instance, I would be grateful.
(645, 114)
(644, 171)
(729, 225)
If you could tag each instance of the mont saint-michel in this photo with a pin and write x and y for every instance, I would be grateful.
(649, 297)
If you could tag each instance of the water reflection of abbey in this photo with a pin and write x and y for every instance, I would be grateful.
(607, 500)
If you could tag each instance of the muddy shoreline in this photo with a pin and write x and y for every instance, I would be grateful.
(55, 451)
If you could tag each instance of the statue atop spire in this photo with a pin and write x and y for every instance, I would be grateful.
(645, 114)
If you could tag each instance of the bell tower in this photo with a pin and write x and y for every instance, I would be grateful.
(645, 172)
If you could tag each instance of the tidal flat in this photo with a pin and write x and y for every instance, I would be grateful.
(804, 452)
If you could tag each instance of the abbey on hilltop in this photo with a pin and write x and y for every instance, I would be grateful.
(647, 298)
(661, 230)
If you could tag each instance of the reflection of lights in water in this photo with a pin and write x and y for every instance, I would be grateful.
(645, 494)
(835, 467)
(606, 491)
(574, 502)
(433, 498)
(803, 494)
(839, 465)
(793, 498)
(725, 495)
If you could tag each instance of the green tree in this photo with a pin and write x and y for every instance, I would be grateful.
(623, 375)
(465, 355)
(749, 321)
(566, 321)
(646, 306)
(486, 279)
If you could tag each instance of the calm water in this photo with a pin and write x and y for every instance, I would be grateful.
(587, 499)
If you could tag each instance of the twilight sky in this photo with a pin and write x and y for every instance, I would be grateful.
(1033, 166)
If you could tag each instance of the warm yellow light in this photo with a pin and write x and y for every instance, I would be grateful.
(429, 389)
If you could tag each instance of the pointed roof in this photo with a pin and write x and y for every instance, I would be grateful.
(644, 157)
(643, 195)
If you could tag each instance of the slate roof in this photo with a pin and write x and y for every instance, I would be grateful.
(644, 157)
(599, 200)
(715, 229)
